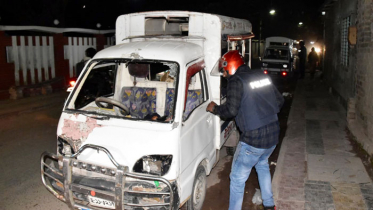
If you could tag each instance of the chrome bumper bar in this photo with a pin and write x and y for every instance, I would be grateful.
(63, 177)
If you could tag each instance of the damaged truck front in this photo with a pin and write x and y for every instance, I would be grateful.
(134, 132)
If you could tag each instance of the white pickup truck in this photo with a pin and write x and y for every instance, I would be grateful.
(134, 132)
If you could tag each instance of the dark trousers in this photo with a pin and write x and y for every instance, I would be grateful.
(302, 69)
(312, 70)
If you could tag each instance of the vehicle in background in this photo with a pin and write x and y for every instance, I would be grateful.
(278, 56)
(134, 132)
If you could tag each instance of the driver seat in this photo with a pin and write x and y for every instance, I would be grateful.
(140, 101)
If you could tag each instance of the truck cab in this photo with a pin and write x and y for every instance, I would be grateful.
(278, 56)
(134, 132)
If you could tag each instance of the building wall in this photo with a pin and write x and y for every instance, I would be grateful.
(61, 64)
(6, 69)
(35, 64)
(341, 78)
(353, 83)
(364, 67)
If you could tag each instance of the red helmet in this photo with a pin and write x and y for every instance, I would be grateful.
(231, 60)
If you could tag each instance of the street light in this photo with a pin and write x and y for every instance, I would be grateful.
(272, 12)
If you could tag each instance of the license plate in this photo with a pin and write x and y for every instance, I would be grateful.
(273, 72)
(94, 201)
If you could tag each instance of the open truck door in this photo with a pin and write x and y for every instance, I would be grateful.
(229, 134)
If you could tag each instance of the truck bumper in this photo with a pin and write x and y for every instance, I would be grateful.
(87, 186)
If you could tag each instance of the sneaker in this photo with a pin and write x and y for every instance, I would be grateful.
(270, 208)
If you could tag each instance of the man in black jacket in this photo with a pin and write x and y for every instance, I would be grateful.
(254, 102)
(302, 54)
(89, 53)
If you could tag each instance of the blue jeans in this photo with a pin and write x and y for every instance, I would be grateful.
(244, 159)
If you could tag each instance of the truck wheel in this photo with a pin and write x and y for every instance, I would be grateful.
(199, 190)
(230, 150)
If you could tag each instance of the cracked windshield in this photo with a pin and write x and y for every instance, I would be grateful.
(136, 90)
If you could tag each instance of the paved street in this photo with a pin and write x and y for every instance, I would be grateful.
(317, 167)
(24, 134)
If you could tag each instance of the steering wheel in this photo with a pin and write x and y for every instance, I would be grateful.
(113, 102)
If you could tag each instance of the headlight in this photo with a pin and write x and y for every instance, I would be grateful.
(285, 65)
(64, 148)
(153, 164)
(265, 64)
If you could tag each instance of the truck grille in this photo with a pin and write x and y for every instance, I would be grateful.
(275, 65)
(76, 182)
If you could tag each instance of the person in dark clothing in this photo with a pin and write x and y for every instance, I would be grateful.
(302, 54)
(89, 53)
(254, 102)
(313, 61)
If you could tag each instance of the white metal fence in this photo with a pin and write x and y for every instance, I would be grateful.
(33, 56)
(36, 56)
(110, 41)
(75, 51)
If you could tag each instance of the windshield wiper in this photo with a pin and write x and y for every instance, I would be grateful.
(93, 116)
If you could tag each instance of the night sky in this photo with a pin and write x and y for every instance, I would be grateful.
(87, 13)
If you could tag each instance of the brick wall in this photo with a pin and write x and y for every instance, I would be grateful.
(61, 65)
(7, 78)
(101, 41)
(364, 66)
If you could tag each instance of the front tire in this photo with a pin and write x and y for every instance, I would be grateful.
(199, 190)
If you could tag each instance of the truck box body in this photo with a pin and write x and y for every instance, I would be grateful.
(206, 30)
(134, 132)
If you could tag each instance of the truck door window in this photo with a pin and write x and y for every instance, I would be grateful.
(277, 54)
(197, 93)
(205, 86)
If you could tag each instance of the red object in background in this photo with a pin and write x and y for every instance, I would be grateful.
(284, 73)
(265, 72)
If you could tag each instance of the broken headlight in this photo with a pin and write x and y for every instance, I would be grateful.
(153, 164)
(64, 148)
